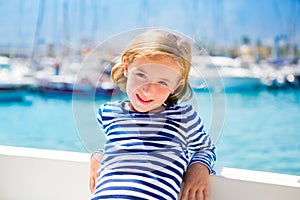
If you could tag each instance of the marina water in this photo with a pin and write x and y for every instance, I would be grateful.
(261, 128)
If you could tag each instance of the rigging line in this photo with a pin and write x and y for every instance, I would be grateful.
(40, 19)
(277, 11)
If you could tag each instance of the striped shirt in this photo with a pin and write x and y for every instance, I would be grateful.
(146, 154)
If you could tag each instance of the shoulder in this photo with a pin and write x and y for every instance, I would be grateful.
(183, 112)
(180, 109)
(112, 106)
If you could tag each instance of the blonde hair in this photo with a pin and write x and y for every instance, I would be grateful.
(156, 42)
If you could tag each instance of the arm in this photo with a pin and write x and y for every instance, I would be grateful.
(94, 167)
(196, 178)
(96, 157)
(195, 182)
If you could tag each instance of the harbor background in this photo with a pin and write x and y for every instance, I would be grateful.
(260, 131)
(261, 124)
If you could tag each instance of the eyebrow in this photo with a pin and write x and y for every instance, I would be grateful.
(160, 78)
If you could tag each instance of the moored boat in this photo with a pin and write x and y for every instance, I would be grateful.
(13, 86)
(218, 73)
(65, 86)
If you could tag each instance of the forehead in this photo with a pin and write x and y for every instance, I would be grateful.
(157, 64)
(156, 71)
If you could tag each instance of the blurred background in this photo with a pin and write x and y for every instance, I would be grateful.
(61, 26)
(254, 45)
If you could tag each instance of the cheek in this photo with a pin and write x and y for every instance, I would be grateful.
(162, 96)
(128, 89)
(130, 86)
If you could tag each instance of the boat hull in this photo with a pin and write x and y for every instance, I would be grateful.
(13, 93)
(76, 93)
(226, 83)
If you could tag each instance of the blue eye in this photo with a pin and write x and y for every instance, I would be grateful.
(163, 83)
(141, 75)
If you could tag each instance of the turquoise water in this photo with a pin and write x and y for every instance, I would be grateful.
(261, 128)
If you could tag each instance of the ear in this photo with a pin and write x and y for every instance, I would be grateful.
(125, 66)
(180, 83)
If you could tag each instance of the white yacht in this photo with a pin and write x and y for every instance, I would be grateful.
(13, 85)
(218, 73)
(32, 174)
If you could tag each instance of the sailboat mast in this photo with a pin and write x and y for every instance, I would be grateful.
(37, 39)
(66, 28)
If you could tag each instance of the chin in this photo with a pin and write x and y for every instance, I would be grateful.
(139, 109)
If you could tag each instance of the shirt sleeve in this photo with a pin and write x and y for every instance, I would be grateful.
(200, 145)
(99, 116)
(100, 122)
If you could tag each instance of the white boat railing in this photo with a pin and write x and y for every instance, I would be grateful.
(35, 174)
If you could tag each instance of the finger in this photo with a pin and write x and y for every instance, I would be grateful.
(192, 195)
(184, 194)
(92, 184)
(199, 195)
(205, 194)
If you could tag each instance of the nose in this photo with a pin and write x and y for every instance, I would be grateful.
(150, 87)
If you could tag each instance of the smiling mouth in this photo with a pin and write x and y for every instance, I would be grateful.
(143, 100)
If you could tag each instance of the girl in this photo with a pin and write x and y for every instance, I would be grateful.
(155, 147)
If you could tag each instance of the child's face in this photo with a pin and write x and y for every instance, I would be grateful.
(151, 81)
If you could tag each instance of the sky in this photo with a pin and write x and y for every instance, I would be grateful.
(222, 22)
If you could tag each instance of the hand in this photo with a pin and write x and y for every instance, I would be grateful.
(195, 182)
(94, 167)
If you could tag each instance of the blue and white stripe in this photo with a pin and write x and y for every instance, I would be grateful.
(146, 154)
